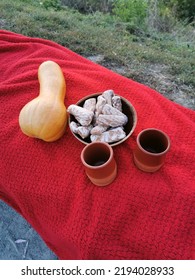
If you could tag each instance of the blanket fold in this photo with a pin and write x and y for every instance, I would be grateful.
(140, 215)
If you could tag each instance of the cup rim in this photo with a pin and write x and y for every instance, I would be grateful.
(94, 143)
(161, 132)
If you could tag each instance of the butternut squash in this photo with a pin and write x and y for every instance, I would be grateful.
(45, 116)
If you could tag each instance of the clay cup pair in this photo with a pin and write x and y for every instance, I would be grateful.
(149, 155)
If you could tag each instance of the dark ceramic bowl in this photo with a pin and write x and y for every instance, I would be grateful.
(127, 109)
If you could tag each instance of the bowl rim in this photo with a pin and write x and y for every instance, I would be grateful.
(132, 108)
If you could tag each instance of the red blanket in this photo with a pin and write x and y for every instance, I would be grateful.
(140, 215)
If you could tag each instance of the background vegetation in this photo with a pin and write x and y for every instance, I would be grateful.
(150, 41)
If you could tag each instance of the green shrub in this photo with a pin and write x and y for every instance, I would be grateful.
(134, 11)
(54, 4)
(183, 9)
(186, 9)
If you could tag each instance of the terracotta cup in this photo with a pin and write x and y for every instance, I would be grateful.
(99, 163)
(152, 147)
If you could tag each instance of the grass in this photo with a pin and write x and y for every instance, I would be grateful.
(103, 34)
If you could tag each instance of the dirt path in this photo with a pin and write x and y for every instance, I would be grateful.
(155, 76)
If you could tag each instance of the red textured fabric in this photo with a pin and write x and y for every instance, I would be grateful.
(138, 216)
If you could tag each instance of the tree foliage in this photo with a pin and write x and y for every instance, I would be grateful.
(185, 9)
